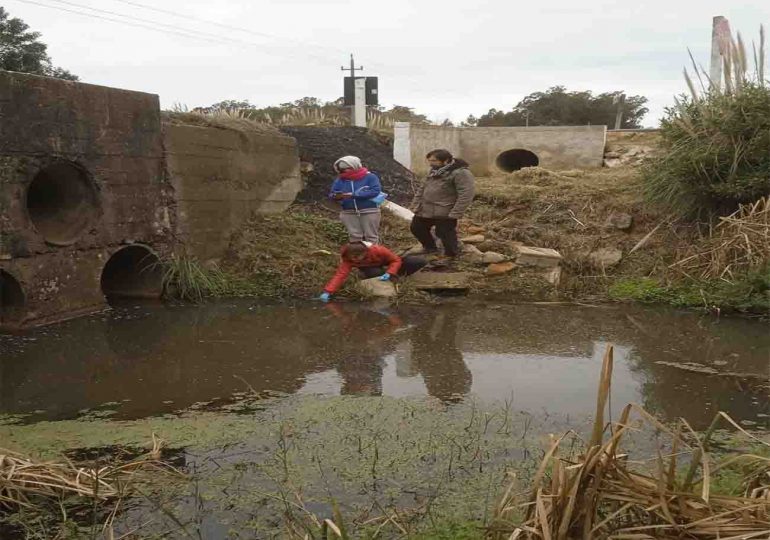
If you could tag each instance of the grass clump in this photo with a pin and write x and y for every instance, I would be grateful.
(749, 293)
(186, 278)
(715, 144)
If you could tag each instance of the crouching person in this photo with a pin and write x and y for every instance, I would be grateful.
(372, 260)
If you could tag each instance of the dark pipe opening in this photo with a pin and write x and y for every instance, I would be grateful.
(61, 202)
(513, 160)
(132, 272)
(11, 299)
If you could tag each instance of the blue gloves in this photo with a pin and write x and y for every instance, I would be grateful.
(325, 297)
(385, 277)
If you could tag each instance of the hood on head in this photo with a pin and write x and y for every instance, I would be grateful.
(347, 162)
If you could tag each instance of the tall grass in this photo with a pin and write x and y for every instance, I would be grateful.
(186, 278)
(715, 141)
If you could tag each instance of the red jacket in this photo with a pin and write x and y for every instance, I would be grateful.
(375, 256)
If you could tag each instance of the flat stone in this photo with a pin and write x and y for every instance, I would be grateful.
(440, 280)
(375, 287)
(611, 155)
(620, 221)
(606, 257)
(472, 254)
(553, 276)
(498, 269)
(475, 229)
(490, 257)
(474, 239)
(536, 256)
(612, 162)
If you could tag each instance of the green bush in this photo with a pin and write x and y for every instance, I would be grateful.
(715, 153)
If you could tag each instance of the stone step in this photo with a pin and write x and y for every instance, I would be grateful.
(537, 256)
(426, 280)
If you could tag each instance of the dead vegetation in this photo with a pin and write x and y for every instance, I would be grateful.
(601, 493)
(739, 243)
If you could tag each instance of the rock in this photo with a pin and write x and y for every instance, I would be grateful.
(611, 155)
(553, 276)
(375, 287)
(490, 257)
(474, 239)
(612, 162)
(305, 167)
(498, 269)
(472, 254)
(620, 221)
(475, 229)
(440, 280)
(536, 256)
(605, 257)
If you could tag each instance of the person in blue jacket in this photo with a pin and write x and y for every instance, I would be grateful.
(360, 194)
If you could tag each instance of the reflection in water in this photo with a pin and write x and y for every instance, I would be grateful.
(156, 359)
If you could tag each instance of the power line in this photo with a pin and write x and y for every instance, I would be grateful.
(119, 21)
(221, 25)
(158, 27)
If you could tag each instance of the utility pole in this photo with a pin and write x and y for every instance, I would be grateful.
(720, 45)
(358, 114)
(620, 100)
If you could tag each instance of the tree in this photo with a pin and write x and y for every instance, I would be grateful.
(558, 107)
(21, 50)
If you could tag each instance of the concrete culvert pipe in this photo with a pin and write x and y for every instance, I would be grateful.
(132, 272)
(12, 299)
(62, 202)
(518, 158)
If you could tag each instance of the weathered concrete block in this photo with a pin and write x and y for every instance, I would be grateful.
(536, 256)
(221, 177)
(440, 280)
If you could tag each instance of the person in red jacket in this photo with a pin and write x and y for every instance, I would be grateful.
(372, 260)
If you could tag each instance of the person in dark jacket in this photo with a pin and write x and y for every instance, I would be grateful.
(442, 199)
(358, 191)
(372, 261)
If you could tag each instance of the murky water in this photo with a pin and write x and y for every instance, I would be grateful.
(151, 359)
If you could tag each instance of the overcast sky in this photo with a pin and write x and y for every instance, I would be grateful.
(445, 58)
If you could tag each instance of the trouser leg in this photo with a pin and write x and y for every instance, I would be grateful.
(410, 264)
(420, 228)
(370, 225)
(353, 225)
(371, 271)
(446, 230)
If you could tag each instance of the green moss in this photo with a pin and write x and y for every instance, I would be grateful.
(749, 293)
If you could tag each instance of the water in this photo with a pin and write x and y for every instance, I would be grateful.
(147, 360)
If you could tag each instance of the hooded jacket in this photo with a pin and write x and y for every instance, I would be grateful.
(447, 195)
(376, 255)
(363, 190)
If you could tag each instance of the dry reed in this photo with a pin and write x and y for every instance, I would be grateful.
(740, 242)
(25, 481)
(600, 495)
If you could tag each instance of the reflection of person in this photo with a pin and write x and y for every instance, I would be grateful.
(438, 359)
(442, 199)
(371, 261)
(364, 335)
(358, 191)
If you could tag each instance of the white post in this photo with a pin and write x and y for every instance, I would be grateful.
(402, 147)
(359, 108)
(720, 39)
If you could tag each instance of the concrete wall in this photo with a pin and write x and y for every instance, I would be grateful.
(555, 147)
(221, 177)
(83, 175)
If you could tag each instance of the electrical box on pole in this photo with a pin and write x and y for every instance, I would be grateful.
(372, 96)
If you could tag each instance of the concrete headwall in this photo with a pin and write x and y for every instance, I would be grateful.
(90, 202)
(554, 147)
(221, 177)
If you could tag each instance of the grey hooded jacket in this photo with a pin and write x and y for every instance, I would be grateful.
(445, 196)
